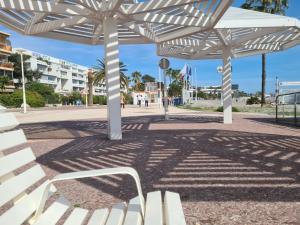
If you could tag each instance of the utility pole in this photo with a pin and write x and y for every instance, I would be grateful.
(23, 82)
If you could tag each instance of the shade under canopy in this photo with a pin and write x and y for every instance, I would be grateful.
(82, 20)
(245, 32)
(110, 22)
(239, 33)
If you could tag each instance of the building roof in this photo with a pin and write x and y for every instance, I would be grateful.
(245, 32)
(138, 22)
(5, 34)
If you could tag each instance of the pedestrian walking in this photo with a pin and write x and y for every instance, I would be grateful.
(146, 101)
(139, 97)
(122, 101)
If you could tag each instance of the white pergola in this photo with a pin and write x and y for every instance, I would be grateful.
(238, 33)
(110, 22)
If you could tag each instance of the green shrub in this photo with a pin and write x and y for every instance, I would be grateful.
(253, 100)
(53, 99)
(234, 109)
(46, 91)
(15, 99)
(101, 100)
(128, 99)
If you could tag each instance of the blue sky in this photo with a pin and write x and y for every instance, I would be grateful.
(246, 71)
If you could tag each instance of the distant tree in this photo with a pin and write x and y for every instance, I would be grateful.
(174, 75)
(266, 6)
(175, 89)
(136, 78)
(99, 73)
(29, 74)
(147, 78)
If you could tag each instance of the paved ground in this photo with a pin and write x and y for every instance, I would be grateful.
(244, 173)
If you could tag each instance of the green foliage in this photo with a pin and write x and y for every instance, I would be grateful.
(28, 73)
(174, 75)
(15, 99)
(99, 73)
(46, 91)
(136, 77)
(175, 89)
(128, 99)
(101, 100)
(4, 80)
(267, 6)
(234, 109)
(75, 96)
(253, 100)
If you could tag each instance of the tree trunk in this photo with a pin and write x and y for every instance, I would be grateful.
(263, 81)
(90, 85)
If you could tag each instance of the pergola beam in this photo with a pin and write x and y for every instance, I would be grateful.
(56, 24)
(152, 5)
(43, 7)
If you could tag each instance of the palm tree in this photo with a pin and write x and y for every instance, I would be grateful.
(136, 78)
(266, 6)
(99, 74)
(90, 86)
(174, 75)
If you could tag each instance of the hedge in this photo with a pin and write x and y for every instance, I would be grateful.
(15, 99)
(101, 100)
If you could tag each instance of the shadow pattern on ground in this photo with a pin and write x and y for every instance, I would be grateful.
(202, 165)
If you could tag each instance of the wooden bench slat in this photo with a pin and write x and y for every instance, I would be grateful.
(99, 217)
(154, 211)
(18, 184)
(117, 214)
(13, 161)
(173, 209)
(24, 209)
(133, 214)
(76, 217)
(53, 213)
(7, 121)
(11, 139)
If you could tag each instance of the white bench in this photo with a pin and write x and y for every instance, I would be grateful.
(22, 206)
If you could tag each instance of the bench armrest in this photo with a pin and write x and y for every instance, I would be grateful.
(92, 173)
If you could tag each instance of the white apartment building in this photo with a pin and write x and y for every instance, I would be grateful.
(65, 77)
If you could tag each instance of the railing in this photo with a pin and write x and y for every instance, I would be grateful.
(290, 105)
(6, 64)
(5, 47)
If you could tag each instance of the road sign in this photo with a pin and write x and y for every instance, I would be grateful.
(164, 63)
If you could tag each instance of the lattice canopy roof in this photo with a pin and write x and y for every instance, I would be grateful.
(245, 32)
(138, 22)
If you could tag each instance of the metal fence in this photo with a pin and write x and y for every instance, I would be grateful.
(288, 108)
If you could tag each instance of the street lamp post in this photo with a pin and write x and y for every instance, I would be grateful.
(164, 65)
(220, 71)
(23, 82)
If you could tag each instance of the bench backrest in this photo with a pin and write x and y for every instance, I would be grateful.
(21, 179)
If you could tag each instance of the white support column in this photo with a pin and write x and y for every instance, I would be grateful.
(112, 71)
(226, 86)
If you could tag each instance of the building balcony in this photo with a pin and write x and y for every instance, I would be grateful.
(48, 81)
(4, 48)
(79, 85)
(6, 66)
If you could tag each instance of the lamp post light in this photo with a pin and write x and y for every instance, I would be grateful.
(220, 71)
(164, 65)
(23, 82)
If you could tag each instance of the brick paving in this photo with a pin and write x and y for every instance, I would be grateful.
(244, 173)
